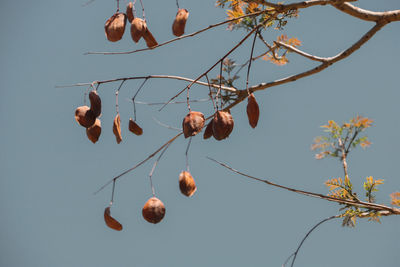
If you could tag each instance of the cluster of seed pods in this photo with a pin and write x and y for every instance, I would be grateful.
(115, 26)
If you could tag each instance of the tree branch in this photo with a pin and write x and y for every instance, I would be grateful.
(231, 89)
(361, 204)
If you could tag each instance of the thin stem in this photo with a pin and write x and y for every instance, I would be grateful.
(187, 153)
(117, 6)
(133, 98)
(112, 193)
(251, 56)
(188, 98)
(308, 233)
(211, 95)
(116, 96)
(153, 169)
(177, 4)
(165, 125)
(175, 102)
(143, 14)
(220, 84)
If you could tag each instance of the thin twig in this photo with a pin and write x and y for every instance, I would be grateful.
(211, 95)
(174, 102)
(116, 96)
(166, 126)
(140, 163)
(133, 98)
(250, 60)
(306, 236)
(187, 153)
(153, 169)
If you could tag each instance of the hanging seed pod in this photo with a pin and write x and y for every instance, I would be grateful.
(193, 123)
(115, 27)
(187, 184)
(209, 130)
(178, 27)
(129, 12)
(253, 111)
(153, 211)
(95, 103)
(149, 38)
(84, 116)
(117, 128)
(138, 28)
(110, 221)
(94, 131)
(134, 127)
(222, 124)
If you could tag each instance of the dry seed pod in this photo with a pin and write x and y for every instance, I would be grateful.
(178, 27)
(193, 123)
(115, 27)
(117, 128)
(138, 28)
(110, 221)
(95, 103)
(134, 127)
(222, 124)
(84, 116)
(153, 211)
(129, 12)
(209, 130)
(149, 38)
(187, 184)
(94, 131)
(253, 111)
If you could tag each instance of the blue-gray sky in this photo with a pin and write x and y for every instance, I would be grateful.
(49, 169)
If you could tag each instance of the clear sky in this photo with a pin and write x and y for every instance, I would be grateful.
(49, 169)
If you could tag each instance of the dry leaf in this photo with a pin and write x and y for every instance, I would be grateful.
(153, 211)
(138, 28)
(95, 103)
(94, 131)
(84, 116)
(253, 111)
(193, 123)
(222, 124)
(209, 130)
(134, 127)
(178, 27)
(110, 221)
(187, 184)
(117, 128)
(129, 12)
(149, 38)
(115, 27)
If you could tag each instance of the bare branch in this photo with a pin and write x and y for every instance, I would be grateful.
(301, 53)
(231, 89)
(372, 206)
(367, 15)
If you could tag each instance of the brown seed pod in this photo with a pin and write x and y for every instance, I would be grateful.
(94, 131)
(154, 210)
(208, 132)
(222, 124)
(110, 221)
(253, 111)
(138, 28)
(95, 103)
(193, 123)
(187, 184)
(115, 27)
(178, 27)
(129, 12)
(84, 116)
(134, 127)
(149, 38)
(117, 128)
